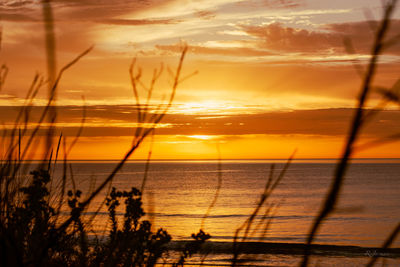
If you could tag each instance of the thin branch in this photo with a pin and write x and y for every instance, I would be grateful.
(378, 142)
(49, 103)
(348, 44)
(50, 42)
(385, 245)
(3, 73)
(269, 188)
(134, 146)
(219, 184)
(81, 127)
(134, 80)
(356, 125)
(147, 166)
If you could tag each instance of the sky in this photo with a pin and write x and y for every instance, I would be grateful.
(261, 77)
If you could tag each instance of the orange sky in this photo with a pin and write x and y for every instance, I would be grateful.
(272, 75)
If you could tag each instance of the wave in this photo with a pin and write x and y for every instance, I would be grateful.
(216, 247)
(200, 216)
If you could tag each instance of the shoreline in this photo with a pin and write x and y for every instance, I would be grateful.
(220, 247)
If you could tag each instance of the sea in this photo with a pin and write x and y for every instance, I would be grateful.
(219, 196)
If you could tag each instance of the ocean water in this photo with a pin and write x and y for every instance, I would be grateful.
(178, 193)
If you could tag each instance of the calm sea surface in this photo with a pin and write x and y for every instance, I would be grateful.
(178, 194)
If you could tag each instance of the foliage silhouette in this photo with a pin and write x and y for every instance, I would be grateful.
(30, 226)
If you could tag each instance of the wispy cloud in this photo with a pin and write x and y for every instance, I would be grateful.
(222, 51)
(135, 22)
(121, 121)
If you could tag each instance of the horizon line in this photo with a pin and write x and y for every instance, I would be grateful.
(216, 159)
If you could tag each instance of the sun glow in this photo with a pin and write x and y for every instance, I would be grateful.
(215, 107)
(202, 137)
(200, 107)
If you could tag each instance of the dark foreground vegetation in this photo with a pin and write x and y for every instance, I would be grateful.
(34, 230)
(30, 235)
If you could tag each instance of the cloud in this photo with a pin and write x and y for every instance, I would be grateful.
(18, 11)
(119, 121)
(276, 3)
(76, 10)
(12, 5)
(205, 14)
(277, 37)
(223, 51)
(325, 39)
(17, 17)
(361, 34)
(136, 22)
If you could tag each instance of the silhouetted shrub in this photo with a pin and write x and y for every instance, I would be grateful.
(30, 235)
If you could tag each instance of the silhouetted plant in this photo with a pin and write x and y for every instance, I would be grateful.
(28, 239)
(192, 247)
(30, 223)
(28, 229)
(133, 244)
